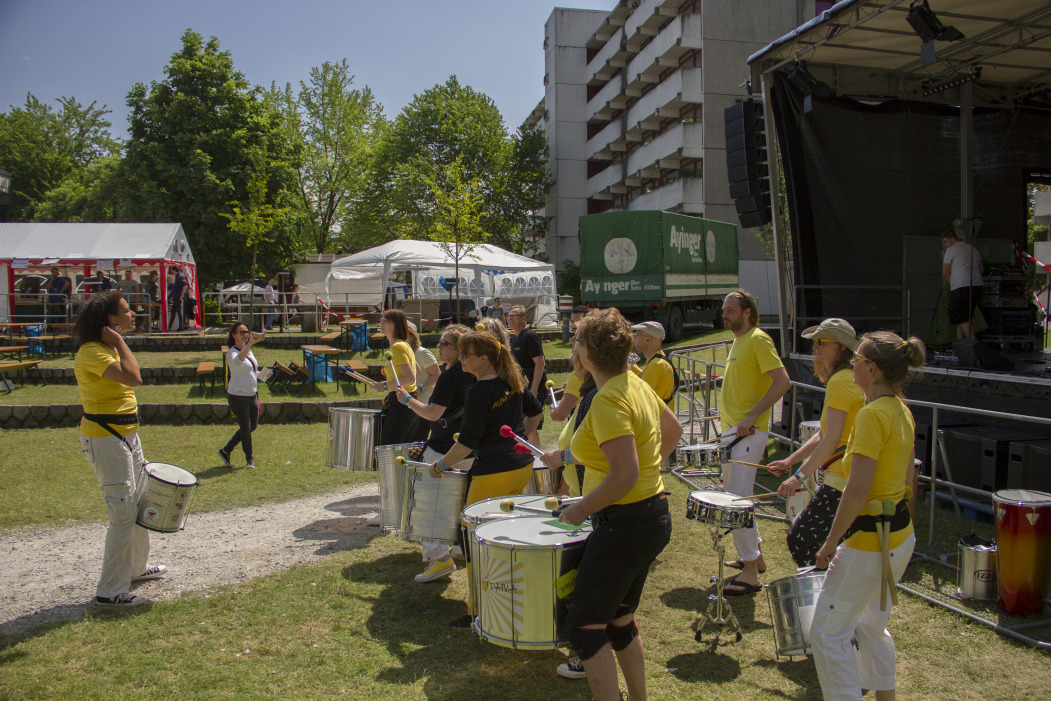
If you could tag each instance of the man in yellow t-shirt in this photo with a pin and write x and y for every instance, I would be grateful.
(754, 381)
(656, 371)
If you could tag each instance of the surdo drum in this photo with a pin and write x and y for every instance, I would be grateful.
(1023, 544)
(792, 603)
(431, 506)
(392, 479)
(164, 493)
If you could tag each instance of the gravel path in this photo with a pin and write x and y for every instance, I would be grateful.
(50, 575)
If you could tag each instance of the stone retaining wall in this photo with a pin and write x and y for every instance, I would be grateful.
(64, 415)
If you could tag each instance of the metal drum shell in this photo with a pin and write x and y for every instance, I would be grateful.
(352, 433)
(163, 495)
(526, 570)
(703, 455)
(977, 576)
(807, 429)
(432, 506)
(543, 481)
(720, 509)
(793, 601)
(392, 481)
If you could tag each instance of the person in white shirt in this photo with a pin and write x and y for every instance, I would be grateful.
(243, 391)
(962, 268)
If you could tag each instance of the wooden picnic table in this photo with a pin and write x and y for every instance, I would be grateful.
(56, 339)
(11, 351)
(309, 359)
(351, 327)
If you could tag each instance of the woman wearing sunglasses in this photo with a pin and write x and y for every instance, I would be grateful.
(879, 465)
(834, 344)
(243, 391)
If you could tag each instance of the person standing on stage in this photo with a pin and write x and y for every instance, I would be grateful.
(834, 344)
(852, 648)
(628, 431)
(107, 375)
(755, 379)
(962, 268)
(243, 391)
(655, 369)
(443, 415)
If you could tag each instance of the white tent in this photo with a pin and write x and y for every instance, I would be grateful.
(87, 247)
(485, 271)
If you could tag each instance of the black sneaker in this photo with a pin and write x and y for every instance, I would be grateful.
(225, 458)
(464, 622)
(124, 599)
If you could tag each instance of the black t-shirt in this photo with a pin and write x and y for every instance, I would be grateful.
(450, 391)
(524, 347)
(490, 404)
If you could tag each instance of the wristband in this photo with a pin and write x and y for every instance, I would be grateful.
(406, 400)
(442, 467)
(567, 458)
(799, 475)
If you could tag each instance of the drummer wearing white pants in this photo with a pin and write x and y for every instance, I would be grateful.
(754, 381)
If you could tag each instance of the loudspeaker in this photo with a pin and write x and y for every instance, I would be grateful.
(746, 162)
(973, 354)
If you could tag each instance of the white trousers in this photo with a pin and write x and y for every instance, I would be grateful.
(848, 608)
(431, 549)
(740, 480)
(127, 544)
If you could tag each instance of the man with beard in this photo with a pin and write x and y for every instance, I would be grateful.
(754, 381)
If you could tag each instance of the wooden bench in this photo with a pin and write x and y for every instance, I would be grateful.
(282, 375)
(331, 337)
(205, 371)
(300, 375)
(375, 340)
(27, 367)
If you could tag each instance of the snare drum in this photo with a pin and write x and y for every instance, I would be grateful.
(431, 506)
(720, 509)
(807, 429)
(527, 568)
(792, 602)
(704, 455)
(164, 493)
(1023, 544)
(392, 480)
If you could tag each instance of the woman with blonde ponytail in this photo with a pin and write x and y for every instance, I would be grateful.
(495, 400)
(879, 464)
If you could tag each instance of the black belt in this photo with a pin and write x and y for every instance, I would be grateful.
(657, 505)
(867, 524)
(108, 421)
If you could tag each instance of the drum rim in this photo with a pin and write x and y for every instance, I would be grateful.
(998, 499)
(352, 410)
(151, 475)
(518, 545)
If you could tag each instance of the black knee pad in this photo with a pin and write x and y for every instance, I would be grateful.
(586, 641)
(621, 636)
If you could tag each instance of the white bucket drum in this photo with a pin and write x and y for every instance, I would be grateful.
(720, 509)
(703, 455)
(432, 506)
(792, 603)
(527, 569)
(392, 480)
(164, 493)
(807, 429)
(351, 434)
(488, 510)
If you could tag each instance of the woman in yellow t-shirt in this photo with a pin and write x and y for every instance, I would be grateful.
(107, 375)
(834, 344)
(400, 423)
(878, 464)
(627, 433)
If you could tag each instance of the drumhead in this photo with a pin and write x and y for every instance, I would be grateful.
(1022, 497)
(724, 499)
(170, 474)
(702, 448)
(491, 506)
(531, 532)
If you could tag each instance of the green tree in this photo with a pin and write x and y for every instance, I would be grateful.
(198, 138)
(42, 147)
(337, 129)
(523, 189)
(96, 195)
(458, 202)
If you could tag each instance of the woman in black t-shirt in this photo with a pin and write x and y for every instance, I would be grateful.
(444, 413)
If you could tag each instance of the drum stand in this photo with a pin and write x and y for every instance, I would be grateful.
(719, 611)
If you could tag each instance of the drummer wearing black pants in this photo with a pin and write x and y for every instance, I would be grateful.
(627, 433)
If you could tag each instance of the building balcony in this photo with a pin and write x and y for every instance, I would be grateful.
(606, 102)
(681, 36)
(666, 151)
(614, 21)
(664, 101)
(609, 181)
(684, 195)
(606, 142)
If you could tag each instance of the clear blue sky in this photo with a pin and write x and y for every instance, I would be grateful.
(97, 49)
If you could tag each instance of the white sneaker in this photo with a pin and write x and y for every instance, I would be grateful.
(436, 570)
(152, 572)
(573, 669)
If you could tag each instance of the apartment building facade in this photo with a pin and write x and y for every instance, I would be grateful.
(633, 108)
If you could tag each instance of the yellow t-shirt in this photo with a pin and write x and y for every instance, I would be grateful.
(572, 386)
(625, 406)
(401, 354)
(99, 395)
(841, 393)
(658, 374)
(746, 381)
(885, 431)
(569, 474)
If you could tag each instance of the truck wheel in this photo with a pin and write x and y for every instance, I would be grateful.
(675, 324)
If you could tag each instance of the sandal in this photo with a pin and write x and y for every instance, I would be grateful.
(740, 588)
(738, 564)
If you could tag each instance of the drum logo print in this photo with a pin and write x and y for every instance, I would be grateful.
(503, 600)
(151, 515)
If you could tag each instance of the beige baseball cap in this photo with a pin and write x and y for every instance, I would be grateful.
(837, 330)
(653, 328)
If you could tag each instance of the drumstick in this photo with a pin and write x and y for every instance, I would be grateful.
(555, 502)
(888, 513)
(507, 432)
(875, 509)
(757, 496)
(519, 448)
(401, 462)
(509, 505)
(358, 376)
(750, 464)
(551, 391)
(397, 380)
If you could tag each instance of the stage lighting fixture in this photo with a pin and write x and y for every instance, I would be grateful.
(933, 88)
(806, 83)
(927, 25)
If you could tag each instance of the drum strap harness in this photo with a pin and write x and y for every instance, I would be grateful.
(867, 524)
(108, 421)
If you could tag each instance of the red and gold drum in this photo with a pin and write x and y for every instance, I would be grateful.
(1023, 543)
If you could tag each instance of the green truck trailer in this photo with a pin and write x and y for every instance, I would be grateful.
(672, 268)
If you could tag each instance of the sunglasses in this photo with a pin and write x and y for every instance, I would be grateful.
(818, 342)
(859, 356)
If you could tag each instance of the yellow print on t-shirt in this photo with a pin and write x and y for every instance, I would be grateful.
(501, 401)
